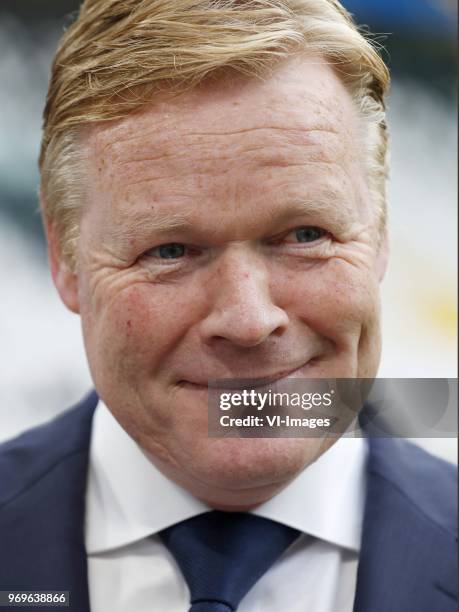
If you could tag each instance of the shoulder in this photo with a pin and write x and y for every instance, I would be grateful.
(424, 482)
(37, 453)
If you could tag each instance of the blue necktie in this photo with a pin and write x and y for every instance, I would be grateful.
(223, 554)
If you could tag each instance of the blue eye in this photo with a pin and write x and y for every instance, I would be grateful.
(309, 234)
(173, 250)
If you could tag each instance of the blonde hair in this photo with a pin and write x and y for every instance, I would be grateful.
(119, 53)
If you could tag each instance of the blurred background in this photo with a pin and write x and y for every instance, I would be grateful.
(42, 363)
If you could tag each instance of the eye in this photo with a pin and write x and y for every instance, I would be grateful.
(307, 234)
(172, 250)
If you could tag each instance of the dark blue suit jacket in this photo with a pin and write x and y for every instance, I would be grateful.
(408, 555)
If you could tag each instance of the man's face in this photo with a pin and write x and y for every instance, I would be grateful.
(228, 234)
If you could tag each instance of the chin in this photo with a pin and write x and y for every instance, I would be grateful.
(248, 472)
(233, 471)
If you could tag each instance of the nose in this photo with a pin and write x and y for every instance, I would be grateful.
(243, 311)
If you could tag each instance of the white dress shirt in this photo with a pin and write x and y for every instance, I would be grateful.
(129, 501)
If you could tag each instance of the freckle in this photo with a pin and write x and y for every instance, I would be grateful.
(129, 324)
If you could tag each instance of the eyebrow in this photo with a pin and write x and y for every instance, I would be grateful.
(154, 222)
(329, 207)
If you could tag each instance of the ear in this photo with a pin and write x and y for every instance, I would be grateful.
(65, 279)
(382, 256)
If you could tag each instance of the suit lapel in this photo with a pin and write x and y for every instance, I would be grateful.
(42, 509)
(407, 559)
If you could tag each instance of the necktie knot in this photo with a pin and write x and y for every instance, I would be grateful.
(222, 555)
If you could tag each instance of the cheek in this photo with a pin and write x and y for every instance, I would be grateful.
(333, 298)
(133, 332)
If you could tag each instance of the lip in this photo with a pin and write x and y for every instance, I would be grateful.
(252, 381)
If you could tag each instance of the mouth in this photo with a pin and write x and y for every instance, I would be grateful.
(231, 383)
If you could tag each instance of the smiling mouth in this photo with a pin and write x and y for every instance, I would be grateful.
(232, 384)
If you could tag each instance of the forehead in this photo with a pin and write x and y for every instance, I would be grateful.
(297, 125)
(303, 93)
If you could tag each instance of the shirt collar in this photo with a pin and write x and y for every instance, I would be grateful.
(129, 499)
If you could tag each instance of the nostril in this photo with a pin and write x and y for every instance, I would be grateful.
(279, 330)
